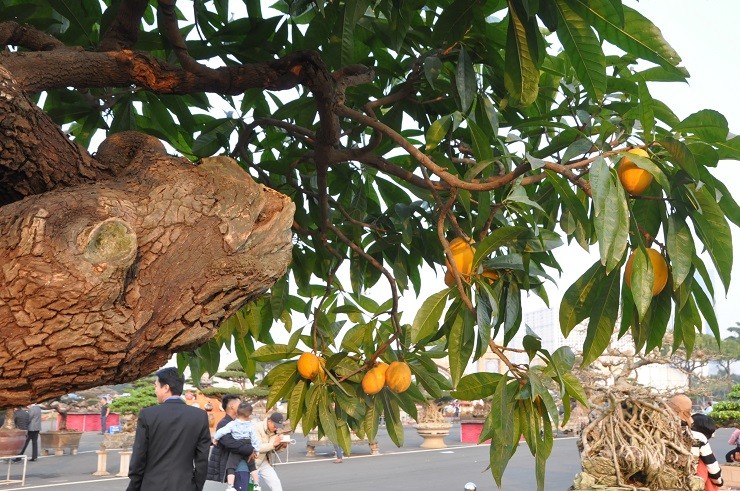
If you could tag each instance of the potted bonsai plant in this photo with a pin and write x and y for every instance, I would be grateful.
(62, 438)
(11, 438)
(432, 426)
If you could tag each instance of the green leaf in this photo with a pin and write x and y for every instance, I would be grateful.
(611, 222)
(353, 12)
(426, 321)
(636, 35)
(578, 298)
(729, 149)
(641, 281)
(274, 352)
(682, 155)
(465, 80)
(437, 132)
(297, 401)
(714, 231)
(456, 20)
(707, 124)
(657, 324)
(498, 238)
(392, 417)
(476, 386)
(505, 430)
(680, 246)
(281, 380)
(521, 76)
(706, 308)
(603, 317)
(583, 50)
(458, 354)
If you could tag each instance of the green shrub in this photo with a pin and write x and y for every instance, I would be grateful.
(137, 399)
(727, 413)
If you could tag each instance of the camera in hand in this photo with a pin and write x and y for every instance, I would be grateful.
(285, 438)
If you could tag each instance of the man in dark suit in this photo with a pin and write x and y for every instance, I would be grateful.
(170, 450)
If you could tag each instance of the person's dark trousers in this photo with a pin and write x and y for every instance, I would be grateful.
(731, 454)
(33, 437)
(103, 424)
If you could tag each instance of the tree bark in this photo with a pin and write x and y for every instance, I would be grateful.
(110, 264)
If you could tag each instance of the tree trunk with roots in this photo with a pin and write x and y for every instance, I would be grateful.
(110, 263)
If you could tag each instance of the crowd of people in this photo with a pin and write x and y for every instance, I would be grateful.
(173, 448)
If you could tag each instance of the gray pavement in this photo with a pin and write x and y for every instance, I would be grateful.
(405, 468)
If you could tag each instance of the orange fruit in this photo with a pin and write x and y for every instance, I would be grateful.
(398, 377)
(634, 179)
(660, 270)
(381, 368)
(373, 381)
(491, 275)
(463, 253)
(308, 366)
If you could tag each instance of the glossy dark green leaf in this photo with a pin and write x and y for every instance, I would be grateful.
(476, 386)
(465, 80)
(602, 318)
(521, 76)
(636, 35)
(680, 246)
(583, 49)
(682, 155)
(579, 297)
(426, 321)
(714, 231)
(709, 125)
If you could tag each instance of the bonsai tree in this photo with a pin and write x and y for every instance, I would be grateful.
(66, 404)
(139, 397)
(727, 413)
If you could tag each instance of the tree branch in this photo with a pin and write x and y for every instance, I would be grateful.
(124, 30)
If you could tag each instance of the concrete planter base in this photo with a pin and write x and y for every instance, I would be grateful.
(59, 441)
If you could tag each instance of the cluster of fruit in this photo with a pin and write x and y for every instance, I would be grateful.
(635, 181)
(396, 376)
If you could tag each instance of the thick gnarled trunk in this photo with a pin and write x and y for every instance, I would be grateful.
(110, 264)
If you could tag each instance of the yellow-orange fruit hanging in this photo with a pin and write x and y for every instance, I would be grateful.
(634, 179)
(398, 377)
(308, 366)
(373, 381)
(660, 270)
(463, 254)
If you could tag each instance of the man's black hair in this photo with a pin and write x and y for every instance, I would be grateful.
(227, 399)
(171, 377)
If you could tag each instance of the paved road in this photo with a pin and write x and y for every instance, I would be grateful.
(408, 468)
(405, 468)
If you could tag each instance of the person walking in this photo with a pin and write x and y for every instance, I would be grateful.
(170, 451)
(22, 419)
(32, 435)
(270, 443)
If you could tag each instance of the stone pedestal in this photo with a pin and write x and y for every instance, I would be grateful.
(102, 463)
(125, 462)
(433, 434)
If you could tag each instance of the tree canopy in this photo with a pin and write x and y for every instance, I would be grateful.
(396, 128)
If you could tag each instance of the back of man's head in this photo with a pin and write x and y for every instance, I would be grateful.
(227, 399)
(171, 377)
(244, 410)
